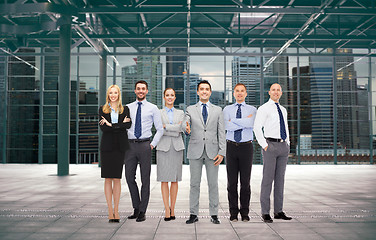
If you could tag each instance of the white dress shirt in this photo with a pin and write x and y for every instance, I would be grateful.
(267, 119)
(149, 114)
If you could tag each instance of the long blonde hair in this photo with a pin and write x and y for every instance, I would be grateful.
(106, 107)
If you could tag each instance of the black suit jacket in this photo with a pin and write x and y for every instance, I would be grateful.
(116, 136)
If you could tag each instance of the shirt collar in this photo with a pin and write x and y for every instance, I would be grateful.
(207, 104)
(242, 103)
(169, 110)
(111, 108)
(143, 101)
(271, 101)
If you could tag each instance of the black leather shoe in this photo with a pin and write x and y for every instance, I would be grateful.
(192, 219)
(116, 220)
(267, 218)
(141, 217)
(245, 218)
(136, 212)
(214, 219)
(167, 219)
(281, 215)
(233, 218)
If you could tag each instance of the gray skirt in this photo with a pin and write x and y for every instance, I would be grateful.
(169, 165)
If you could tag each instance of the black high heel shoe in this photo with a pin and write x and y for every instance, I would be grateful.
(172, 217)
(116, 220)
(111, 220)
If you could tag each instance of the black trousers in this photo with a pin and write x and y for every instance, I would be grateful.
(138, 153)
(239, 162)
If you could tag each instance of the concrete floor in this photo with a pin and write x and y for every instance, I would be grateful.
(325, 201)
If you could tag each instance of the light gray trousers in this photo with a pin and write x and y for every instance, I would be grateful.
(275, 161)
(212, 177)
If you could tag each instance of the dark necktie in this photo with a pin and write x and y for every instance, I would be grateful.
(137, 127)
(238, 133)
(204, 112)
(282, 127)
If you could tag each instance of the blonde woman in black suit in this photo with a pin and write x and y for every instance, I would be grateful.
(114, 122)
(170, 153)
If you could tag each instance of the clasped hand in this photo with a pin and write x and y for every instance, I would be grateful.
(188, 128)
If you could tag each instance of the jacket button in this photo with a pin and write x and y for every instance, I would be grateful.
(203, 139)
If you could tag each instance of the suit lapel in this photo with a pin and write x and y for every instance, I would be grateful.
(199, 112)
(175, 118)
(164, 116)
(210, 112)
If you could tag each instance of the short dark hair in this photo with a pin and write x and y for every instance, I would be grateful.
(142, 82)
(240, 84)
(203, 82)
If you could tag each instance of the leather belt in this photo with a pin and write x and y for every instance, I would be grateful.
(275, 140)
(239, 143)
(139, 140)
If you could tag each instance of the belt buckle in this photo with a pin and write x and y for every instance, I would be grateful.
(281, 140)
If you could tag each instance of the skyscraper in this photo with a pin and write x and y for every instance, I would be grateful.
(194, 79)
(175, 66)
(305, 102)
(149, 69)
(347, 124)
(321, 73)
(128, 80)
(247, 70)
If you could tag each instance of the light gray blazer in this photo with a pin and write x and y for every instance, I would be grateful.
(211, 135)
(172, 133)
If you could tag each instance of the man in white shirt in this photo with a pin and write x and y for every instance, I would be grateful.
(144, 115)
(274, 140)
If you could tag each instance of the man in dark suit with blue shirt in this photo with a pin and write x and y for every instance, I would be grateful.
(239, 118)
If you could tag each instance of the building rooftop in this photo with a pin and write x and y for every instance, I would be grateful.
(325, 201)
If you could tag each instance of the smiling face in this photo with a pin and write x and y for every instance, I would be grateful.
(204, 92)
(275, 92)
(169, 97)
(113, 95)
(141, 90)
(240, 93)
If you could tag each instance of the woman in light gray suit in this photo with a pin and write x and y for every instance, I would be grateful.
(170, 152)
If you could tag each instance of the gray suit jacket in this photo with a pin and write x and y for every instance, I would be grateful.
(172, 133)
(210, 135)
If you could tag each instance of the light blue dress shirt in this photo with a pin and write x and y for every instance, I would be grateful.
(170, 114)
(150, 115)
(245, 123)
(114, 115)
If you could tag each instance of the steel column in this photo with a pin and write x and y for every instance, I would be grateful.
(102, 89)
(63, 100)
(335, 110)
(370, 107)
(41, 105)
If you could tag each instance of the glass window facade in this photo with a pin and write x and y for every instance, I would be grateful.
(330, 96)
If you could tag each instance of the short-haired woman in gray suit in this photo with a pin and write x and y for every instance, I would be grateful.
(170, 152)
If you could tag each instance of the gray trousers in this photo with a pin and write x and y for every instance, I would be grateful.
(212, 177)
(275, 161)
(138, 153)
